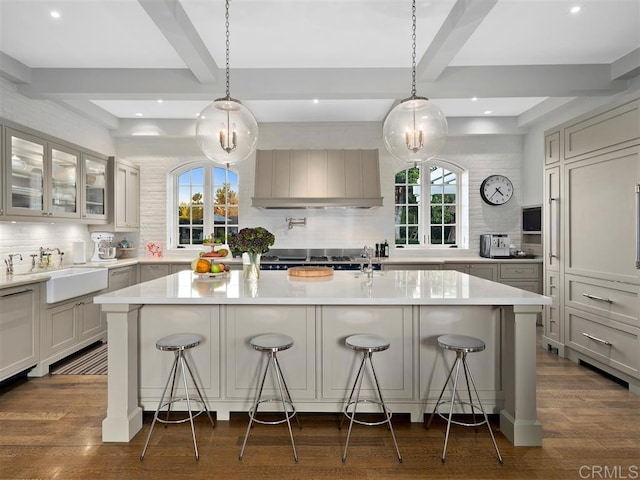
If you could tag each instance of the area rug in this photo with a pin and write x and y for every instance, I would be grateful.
(92, 361)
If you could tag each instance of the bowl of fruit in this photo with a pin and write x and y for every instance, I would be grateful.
(207, 267)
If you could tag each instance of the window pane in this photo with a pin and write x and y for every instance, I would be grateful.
(436, 214)
(436, 235)
(436, 194)
(400, 215)
(401, 177)
(197, 235)
(449, 235)
(401, 194)
(184, 234)
(197, 176)
(401, 235)
(219, 215)
(413, 233)
(449, 214)
(414, 176)
(219, 176)
(414, 194)
(197, 215)
(413, 216)
(437, 176)
(184, 195)
(218, 234)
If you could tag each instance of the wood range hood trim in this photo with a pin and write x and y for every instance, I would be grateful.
(288, 179)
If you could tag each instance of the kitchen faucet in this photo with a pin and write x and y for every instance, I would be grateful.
(368, 253)
(47, 252)
(9, 262)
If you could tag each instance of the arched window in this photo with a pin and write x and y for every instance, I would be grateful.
(428, 205)
(206, 204)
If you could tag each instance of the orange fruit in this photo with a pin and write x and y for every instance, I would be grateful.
(222, 267)
(202, 266)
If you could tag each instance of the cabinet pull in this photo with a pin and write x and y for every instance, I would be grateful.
(637, 226)
(557, 227)
(596, 339)
(595, 297)
(13, 294)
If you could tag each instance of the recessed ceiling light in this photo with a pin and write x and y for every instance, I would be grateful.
(139, 114)
(474, 99)
(54, 14)
(575, 9)
(316, 101)
(159, 100)
(487, 112)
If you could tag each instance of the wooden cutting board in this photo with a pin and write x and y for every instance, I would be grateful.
(310, 271)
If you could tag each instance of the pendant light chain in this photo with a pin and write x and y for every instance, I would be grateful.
(413, 46)
(226, 24)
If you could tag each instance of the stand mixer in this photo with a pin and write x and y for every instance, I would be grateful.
(104, 250)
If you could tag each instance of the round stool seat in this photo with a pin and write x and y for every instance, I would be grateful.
(179, 341)
(461, 343)
(367, 343)
(271, 341)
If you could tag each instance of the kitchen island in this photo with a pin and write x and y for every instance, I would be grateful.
(410, 308)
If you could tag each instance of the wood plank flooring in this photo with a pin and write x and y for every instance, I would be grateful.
(50, 428)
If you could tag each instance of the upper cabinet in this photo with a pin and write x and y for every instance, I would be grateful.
(95, 180)
(127, 196)
(42, 177)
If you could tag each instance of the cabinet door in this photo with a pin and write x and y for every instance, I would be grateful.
(179, 267)
(151, 272)
(552, 219)
(26, 170)
(552, 148)
(61, 328)
(127, 197)
(122, 277)
(601, 216)
(19, 329)
(484, 270)
(92, 321)
(94, 187)
(2, 170)
(64, 188)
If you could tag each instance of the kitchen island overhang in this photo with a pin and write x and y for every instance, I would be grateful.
(411, 308)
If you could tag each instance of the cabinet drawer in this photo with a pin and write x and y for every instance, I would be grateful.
(530, 286)
(612, 343)
(612, 300)
(151, 272)
(121, 278)
(552, 322)
(520, 271)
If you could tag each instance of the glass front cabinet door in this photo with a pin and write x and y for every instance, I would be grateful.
(42, 177)
(95, 180)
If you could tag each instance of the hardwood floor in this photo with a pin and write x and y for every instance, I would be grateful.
(50, 428)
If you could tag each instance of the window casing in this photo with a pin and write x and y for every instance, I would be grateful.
(427, 214)
(206, 204)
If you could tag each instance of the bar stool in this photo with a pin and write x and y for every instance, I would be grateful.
(367, 344)
(270, 344)
(178, 344)
(461, 344)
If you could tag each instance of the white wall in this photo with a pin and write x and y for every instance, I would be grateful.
(53, 119)
(332, 228)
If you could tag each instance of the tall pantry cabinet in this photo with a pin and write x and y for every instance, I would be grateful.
(592, 251)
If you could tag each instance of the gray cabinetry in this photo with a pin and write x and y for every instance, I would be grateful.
(153, 271)
(122, 277)
(95, 187)
(591, 250)
(126, 196)
(488, 271)
(19, 329)
(411, 266)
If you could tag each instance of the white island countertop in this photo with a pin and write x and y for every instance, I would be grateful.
(418, 287)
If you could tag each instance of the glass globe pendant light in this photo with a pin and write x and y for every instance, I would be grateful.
(415, 130)
(226, 131)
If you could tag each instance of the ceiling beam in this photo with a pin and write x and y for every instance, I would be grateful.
(303, 84)
(627, 66)
(174, 24)
(542, 109)
(13, 70)
(92, 111)
(462, 21)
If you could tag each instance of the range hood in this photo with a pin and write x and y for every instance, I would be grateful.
(317, 179)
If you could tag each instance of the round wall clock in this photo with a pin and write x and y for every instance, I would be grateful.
(496, 190)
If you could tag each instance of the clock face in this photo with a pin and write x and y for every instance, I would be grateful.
(496, 190)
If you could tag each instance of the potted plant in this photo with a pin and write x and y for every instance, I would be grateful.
(253, 242)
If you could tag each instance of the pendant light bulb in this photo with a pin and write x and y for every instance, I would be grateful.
(226, 131)
(415, 130)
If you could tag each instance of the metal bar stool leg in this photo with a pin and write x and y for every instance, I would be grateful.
(352, 391)
(465, 369)
(280, 379)
(157, 412)
(254, 410)
(446, 382)
(486, 418)
(286, 389)
(186, 389)
(204, 404)
(386, 412)
(355, 407)
(173, 387)
(455, 389)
